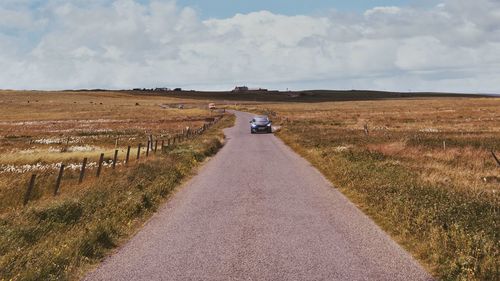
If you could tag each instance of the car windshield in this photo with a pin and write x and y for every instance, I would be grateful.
(260, 119)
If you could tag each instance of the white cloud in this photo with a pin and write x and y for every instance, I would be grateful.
(383, 10)
(454, 46)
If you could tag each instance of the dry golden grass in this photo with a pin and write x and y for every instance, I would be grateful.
(36, 126)
(49, 106)
(61, 237)
(424, 172)
(449, 139)
(39, 130)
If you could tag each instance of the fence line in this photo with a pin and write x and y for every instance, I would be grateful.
(176, 139)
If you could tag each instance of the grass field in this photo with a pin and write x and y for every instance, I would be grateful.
(40, 130)
(421, 168)
(39, 125)
(59, 238)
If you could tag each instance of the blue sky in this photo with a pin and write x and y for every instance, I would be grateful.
(398, 45)
(227, 8)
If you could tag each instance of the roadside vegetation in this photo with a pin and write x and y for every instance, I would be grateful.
(62, 237)
(421, 168)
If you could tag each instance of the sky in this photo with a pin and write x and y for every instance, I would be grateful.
(395, 45)
(225, 8)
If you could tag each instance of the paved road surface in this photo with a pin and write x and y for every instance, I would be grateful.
(258, 211)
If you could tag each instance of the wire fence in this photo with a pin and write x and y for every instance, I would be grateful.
(151, 147)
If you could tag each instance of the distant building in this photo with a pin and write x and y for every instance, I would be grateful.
(162, 89)
(240, 89)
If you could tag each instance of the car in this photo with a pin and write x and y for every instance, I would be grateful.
(261, 124)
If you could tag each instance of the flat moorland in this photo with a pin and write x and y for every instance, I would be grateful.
(59, 237)
(41, 130)
(53, 126)
(421, 168)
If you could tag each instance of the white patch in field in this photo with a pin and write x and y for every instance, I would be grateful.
(54, 150)
(25, 151)
(429, 130)
(39, 167)
(48, 141)
(342, 148)
(83, 148)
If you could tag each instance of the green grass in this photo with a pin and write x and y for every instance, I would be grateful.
(61, 238)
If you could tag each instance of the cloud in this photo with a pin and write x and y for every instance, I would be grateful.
(382, 10)
(124, 43)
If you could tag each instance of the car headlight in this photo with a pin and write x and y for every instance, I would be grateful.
(269, 124)
(254, 125)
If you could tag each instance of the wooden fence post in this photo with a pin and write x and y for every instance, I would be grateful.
(31, 185)
(156, 145)
(59, 178)
(115, 158)
(128, 155)
(494, 156)
(82, 170)
(138, 151)
(147, 149)
(99, 165)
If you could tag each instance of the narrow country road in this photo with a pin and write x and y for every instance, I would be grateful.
(258, 211)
